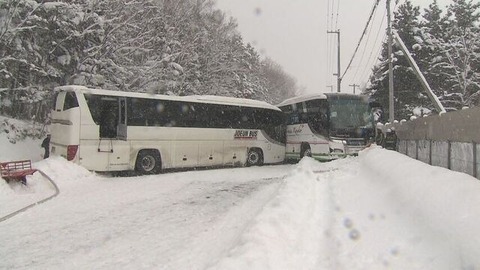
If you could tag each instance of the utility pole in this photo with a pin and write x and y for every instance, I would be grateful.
(331, 87)
(339, 79)
(354, 86)
(391, 108)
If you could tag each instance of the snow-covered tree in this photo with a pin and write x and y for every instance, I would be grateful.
(281, 85)
(407, 89)
(38, 44)
(158, 46)
(433, 26)
(455, 64)
(447, 50)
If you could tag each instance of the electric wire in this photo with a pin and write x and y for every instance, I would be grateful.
(365, 46)
(379, 30)
(361, 37)
(379, 50)
(333, 27)
(331, 19)
(377, 59)
(338, 10)
(331, 41)
(327, 52)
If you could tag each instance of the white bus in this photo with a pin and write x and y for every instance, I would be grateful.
(106, 130)
(327, 126)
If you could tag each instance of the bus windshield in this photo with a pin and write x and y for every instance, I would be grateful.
(349, 114)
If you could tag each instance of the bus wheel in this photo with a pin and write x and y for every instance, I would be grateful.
(148, 162)
(306, 151)
(254, 157)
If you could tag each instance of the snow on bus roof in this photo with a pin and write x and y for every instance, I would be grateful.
(302, 98)
(194, 98)
(233, 101)
(307, 97)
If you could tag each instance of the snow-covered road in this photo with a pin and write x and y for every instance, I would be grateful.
(167, 221)
(381, 210)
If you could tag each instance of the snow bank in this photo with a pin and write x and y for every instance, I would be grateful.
(15, 196)
(329, 216)
(444, 201)
(286, 233)
(14, 145)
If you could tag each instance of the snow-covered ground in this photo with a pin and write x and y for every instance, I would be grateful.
(381, 210)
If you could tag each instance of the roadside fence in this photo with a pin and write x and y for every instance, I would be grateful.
(450, 140)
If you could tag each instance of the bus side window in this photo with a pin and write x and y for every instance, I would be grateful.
(60, 100)
(55, 97)
(293, 119)
(70, 101)
(323, 114)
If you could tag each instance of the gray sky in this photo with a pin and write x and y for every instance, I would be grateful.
(294, 34)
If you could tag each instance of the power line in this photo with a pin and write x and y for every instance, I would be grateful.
(361, 37)
(331, 26)
(378, 52)
(331, 19)
(338, 9)
(379, 30)
(328, 11)
(366, 45)
(339, 79)
(328, 41)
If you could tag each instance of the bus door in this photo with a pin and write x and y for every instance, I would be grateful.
(122, 119)
(113, 118)
(113, 132)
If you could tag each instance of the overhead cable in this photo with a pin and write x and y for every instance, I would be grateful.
(366, 43)
(361, 37)
(369, 59)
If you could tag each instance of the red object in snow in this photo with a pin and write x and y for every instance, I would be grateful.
(16, 170)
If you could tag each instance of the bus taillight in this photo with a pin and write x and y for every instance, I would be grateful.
(71, 151)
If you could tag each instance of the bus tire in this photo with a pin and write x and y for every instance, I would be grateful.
(254, 157)
(306, 150)
(148, 162)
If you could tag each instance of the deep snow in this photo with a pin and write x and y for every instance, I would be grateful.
(381, 210)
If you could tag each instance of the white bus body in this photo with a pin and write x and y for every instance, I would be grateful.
(148, 132)
(327, 126)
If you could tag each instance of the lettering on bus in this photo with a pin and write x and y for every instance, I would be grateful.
(245, 134)
(295, 130)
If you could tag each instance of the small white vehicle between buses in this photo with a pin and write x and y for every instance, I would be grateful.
(327, 126)
(106, 130)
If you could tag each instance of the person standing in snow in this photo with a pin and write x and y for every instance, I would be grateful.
(46, 146)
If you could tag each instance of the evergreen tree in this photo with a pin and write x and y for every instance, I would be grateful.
(408, 91)
(465, 14)
(158, 46)
(455, 58)
(434, 27)
(39, 44)
(462, 50)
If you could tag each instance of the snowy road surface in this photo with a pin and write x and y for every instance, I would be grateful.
(380, 210)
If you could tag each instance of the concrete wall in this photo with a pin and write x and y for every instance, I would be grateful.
(450, 140)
